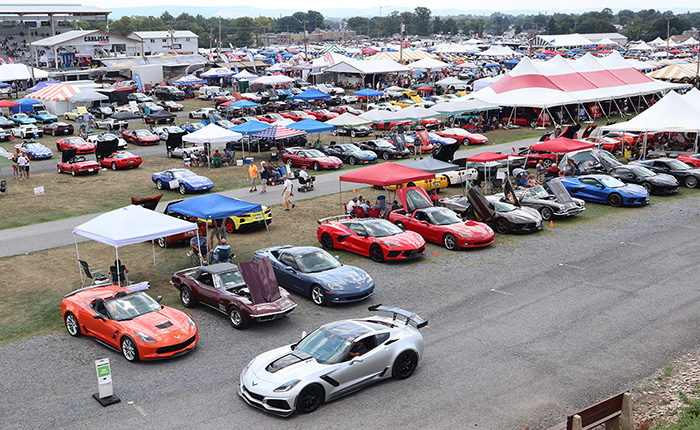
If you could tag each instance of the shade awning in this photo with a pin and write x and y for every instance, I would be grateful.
(386, 174)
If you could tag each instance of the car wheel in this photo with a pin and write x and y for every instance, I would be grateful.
(466, 141)
(404, 365)
(309, 399)
(546, 213)
(386, 155)
(450, 241)
(186, 297)
(230, 226)
(114, 166)
(352, 161)
(72, 171)
(533, 123)
(547, 163)
(162, 242)
(401, 225)
(53, 132)
(183, 190)
(502, 225)
(376, 253)
(647, 186)
(170, 154)
(72, 325)
(237, 318)
(334, 132)
(614, 200)
(326, 241)
(58, 147)
(318, 296)
(129, 349)
(191, 116)
(691, 182)
(353, 133)
(317, 166)
(159, 184)
(58, 169)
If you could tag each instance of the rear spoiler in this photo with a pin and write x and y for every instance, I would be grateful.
(333, 218)
(141, 286)
(89, 287)
(410, 316)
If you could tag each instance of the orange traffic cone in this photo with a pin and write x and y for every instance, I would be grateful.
(436, 253)
(551, 223)
(353, 190)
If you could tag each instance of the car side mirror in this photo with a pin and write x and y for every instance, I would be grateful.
(99, 317)
(303, 334)
(159, 299)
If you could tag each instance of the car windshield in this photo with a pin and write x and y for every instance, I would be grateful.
(443, 216)
(314, 153)
(381, 228)
(641, 171)
(74, 140)
(348, 147)
(124, 155)
(43, 112)
(142, 133)
(182, 174)
(34, 146)
(228, 279)
(383, 144)
(225, 123)
(537, 192)
(131, 306)
(331, 343)
(611, 182)
(503, 206)
(678, 165)
(317, 261)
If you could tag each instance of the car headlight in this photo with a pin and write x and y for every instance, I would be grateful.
(333, 286)
(465, 234)
(145, 337)
(286, 387)
(390, 243)
(191, 321)
(245, 369)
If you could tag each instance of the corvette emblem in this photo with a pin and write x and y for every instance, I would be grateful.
(254, 383)
(177, 337)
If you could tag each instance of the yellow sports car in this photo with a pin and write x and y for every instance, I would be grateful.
(252, 219)
(437, 183)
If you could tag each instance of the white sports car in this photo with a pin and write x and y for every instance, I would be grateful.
(94, 138)
(337, 359)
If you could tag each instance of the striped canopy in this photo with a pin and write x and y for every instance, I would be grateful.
(675, 71)
(278, 132)
(55, 92)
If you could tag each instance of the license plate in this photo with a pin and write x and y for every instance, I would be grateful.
(436, 183)
(91, 170)
(258, 216)
(399, 156)
(131, 161)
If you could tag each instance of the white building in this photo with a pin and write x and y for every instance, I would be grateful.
(182, 42)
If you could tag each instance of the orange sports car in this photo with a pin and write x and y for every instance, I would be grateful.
(129, 321)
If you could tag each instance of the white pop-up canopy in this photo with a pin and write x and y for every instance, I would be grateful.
(129, 225)
(673, 113)
(212, 133)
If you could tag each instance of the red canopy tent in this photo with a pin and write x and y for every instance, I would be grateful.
(487, 156)
(7, 103)
(386, 174)
(561, 144)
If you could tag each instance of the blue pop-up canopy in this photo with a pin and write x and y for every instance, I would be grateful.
(312, 126)
(25, 105)
(367, 92)
(244, 104)
(312, 94)
(250, 127)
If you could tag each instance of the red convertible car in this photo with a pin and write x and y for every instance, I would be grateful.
(463, 136)
(247, 291)
(140, 137)
(376, 238)
(269, 117)
(77, 143)
(692, 159)
(296, 115)
(386, 126)
(121, 160)
(322, 114)
(438, 224)
(298, 157)
(130, 322)
(77, 164)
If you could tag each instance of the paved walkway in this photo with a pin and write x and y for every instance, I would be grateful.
(52, 234)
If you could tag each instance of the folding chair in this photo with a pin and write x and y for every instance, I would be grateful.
(90, 273)
(3, 187)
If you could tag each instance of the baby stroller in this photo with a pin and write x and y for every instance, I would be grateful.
(305, 184)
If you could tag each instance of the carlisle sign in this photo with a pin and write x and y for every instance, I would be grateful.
(100, 38)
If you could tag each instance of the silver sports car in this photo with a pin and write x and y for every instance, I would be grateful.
(334, 360)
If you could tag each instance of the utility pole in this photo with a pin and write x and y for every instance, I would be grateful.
(403, 28)
(306, 39)
(668, 35)
(171, 32)
(219, 36)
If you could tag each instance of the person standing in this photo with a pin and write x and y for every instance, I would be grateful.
(23, 164)
(253, 175)
(287, 193)
(264, 176)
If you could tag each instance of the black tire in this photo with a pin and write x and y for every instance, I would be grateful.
(191, 116)
(334, 132)
(73, 172)
(502, 225)
(58, 169)
(691, 182)
(317, 167)
(53, 133)
(114, 166)
(186, 297)
(72, 325)
(58, 148)
(547, 163)
(546, 213)
(376, 253)
(647, 186)
(326, 241)
(182, 189)
(450, 241)
(237, 318)
(386, 155)
(318, 296)
(533, 123)
(230, 226)
(309, 399)
(401, 225)
(404, 365)
(615, 200)
(170, 154)
(129, 349)
(352, 161)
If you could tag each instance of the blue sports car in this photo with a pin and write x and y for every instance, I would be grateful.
(35, 151)
(191, 127)
(314, 273)
(44, 117)
(22, 118)
(183, 180)
(605, 189)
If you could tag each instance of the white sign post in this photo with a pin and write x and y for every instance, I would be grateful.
(104, 383)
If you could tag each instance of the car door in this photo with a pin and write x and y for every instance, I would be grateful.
(357, 241)
(356, 372)
(423, 226)
(105, 328)
(204, 290)
(303, 159)
(287, 270)
(594, 190)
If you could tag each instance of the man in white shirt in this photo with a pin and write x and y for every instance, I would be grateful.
(351, 206)
(23, 163)
(287, 193)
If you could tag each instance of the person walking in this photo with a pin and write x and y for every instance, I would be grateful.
(287, 193)
(253, 175)
(264, 176)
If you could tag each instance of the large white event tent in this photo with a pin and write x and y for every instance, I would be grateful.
(428, 64)
(20, 72)
(559, 82)
(212, 134)
(129, 225)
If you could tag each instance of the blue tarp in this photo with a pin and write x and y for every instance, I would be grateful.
(41, 85)
(312, 94)
(250, 127)
(244, 104)
(214, 206)
(367, 92)
(25, 105)
(311, 126)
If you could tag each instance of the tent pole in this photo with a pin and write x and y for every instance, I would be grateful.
(340, 192)
(117, 264)
(267, 228)
(80, 271)
(695, 148)
(153, 244)
(602, 110)
(643, 155)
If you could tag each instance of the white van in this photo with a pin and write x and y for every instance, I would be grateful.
(208, 93)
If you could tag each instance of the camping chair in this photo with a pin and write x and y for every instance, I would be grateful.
(374, 212)
(360, 212)
(3, 188)
(223, 255)
(122, 276)
(216, 160)
(90, 273)
(274, 156)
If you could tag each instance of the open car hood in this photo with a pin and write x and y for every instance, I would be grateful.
(260, 279)
(482, 209)
(561, 193)
(413, 198)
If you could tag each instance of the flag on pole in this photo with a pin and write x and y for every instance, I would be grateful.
(252, 60)
(225, 58)
(10, 60)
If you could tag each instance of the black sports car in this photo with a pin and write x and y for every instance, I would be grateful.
(360, 130)
(686, 174)
(384, 149)
(655, 183)
(351, 154)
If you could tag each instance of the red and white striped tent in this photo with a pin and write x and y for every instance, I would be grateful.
(55, 92)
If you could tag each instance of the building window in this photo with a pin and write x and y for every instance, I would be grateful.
(165, 40)
(187, 39)
(153, 41)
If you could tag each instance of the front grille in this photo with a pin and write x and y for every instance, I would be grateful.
(253, 395)
(179, 346)
(485, 242)
(278, 404)
(393, 254)
(414, 252)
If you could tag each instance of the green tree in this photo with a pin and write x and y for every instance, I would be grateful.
(450, 26)
(595, 25)
(421, 24)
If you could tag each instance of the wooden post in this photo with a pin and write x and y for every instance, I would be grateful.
(576, 423)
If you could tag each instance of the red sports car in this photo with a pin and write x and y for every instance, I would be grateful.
(376, 238)
(547, 158)
(463, 136)
(270, 117)
(247, 291)
(181, 237)
(429, 122)
(77, 164)
(386, 126)
(298, 157)
(121, 160)
(296, 115)
(322, 114)
(438, 224)
(345, 108)
(692, 159)
(77, 143)
(140, 137)
(170, 106)
(131, 322)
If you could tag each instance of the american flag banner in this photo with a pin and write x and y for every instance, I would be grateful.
(328, 57)
(279, 57)
(2, 60)
(10, 60)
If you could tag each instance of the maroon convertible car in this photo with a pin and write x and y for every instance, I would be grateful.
(247, 291)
